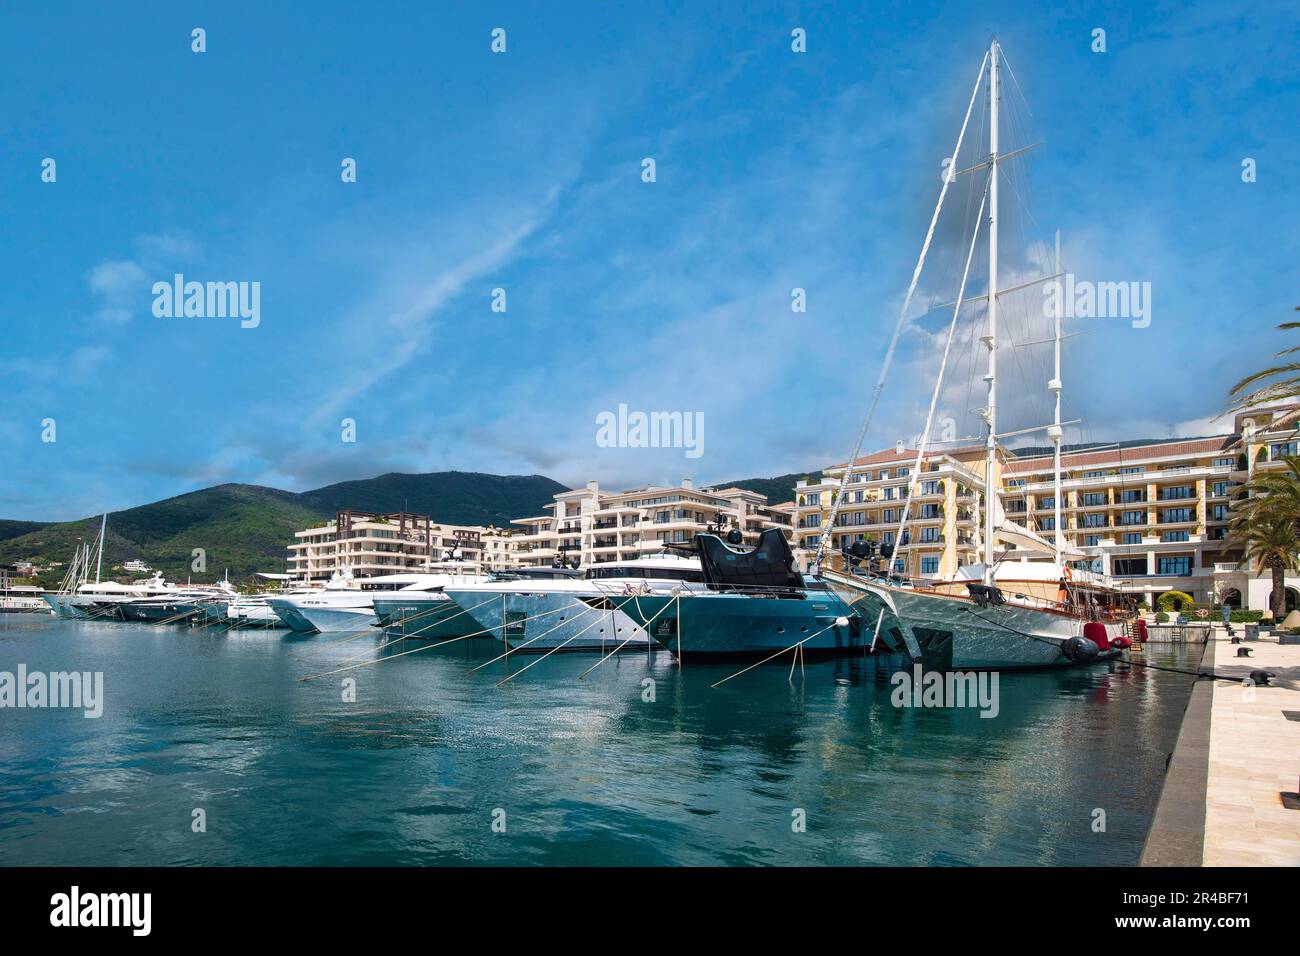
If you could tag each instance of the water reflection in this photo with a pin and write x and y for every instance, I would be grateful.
(641, 762)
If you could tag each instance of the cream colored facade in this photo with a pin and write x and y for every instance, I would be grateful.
(595, 526)
(1152, 515)
(943, 525)
(370, 544)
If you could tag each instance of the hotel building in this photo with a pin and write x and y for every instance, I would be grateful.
(371, 544)
(594, 526)
(1152, 514)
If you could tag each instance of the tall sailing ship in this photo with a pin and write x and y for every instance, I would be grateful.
(1029, 602)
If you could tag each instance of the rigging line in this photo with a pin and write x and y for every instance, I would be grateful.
(389, 640)
(562, 644)
(511, 650)
(365, 663)
(824, 540)
(923, 444)
(784, 650)
(677, 595)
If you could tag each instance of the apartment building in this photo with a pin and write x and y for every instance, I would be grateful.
(370, 544)
(1153, 514)
(942, 530)
(591, 526)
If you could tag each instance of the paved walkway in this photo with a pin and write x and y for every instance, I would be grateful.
(1254, 757)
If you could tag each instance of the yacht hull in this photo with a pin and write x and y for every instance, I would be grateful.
(955, 633)
(291, 616)
(537, 622)
(333, 620)
(170, 613)
(431, 619)
(720, 625)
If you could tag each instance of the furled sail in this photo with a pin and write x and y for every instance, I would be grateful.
(1006, 531)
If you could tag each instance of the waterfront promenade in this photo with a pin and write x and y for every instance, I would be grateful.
(1254, 759)
(1229, 796)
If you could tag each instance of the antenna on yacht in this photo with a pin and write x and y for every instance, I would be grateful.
(990, 338)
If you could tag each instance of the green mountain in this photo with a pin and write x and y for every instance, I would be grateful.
(12, 529)
(456, 497)
(778, 489)
(246, 528)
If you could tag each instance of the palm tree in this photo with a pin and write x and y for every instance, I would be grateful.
(1274, 492)
(1268, 541)
(1282, 390)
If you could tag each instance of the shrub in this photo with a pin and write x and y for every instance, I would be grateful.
(1162, 618)
(1175, 601)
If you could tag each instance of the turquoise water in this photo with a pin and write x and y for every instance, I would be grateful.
(586, 771)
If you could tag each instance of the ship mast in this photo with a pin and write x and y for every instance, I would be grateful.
(1054, 432)
(990, 338)
(99, 561)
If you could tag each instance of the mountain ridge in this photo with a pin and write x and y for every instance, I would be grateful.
(245, 528)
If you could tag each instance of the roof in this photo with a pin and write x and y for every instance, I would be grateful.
(1168, 448)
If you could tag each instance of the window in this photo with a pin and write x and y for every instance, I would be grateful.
(1091, 540)
(1181, 566)
(1047, 524)
(1094, 521)
(1128, 567)
(1047, 502)
(1135, 470)
(1131, 497)
(1177, 514)
(930, 565)
(1280, 450)
(1133, 517)
(1094, 474)
(1093, 498)
(929, 487)
(1219, 489)
(1174, 536)
(1132, 537)
(890, 516)
(813, 499)
(929, 535)
(1219, 513)
(1178, 492)
(929, 511)
(889, 494)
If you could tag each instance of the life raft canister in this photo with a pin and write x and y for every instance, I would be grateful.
(1142, 630)
(1095, 631)
(1123, 643)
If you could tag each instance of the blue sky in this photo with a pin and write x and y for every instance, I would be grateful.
(522, 171)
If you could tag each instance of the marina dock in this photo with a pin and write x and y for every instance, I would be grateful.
(1230, 796)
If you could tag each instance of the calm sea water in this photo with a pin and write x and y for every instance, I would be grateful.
(585, 770)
